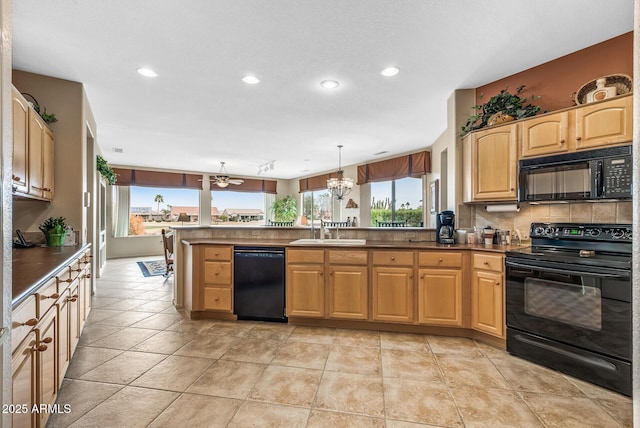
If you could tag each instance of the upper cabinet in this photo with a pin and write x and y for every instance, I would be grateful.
(605, 123)
(33, 152)
(545, 135)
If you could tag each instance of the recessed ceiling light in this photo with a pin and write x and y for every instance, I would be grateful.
(251, 80)
(390, 71)
(147, 72)
(329, 84)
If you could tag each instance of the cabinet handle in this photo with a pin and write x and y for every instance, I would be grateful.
(422, 276)
(46, 189)
(37, 188)
(47, 340)
(16, 178)
(486, 263)
(68, 280)
(411, 276)
(41, 348)
(393, 258)
(77, 270)
(497, 282)
(321, 273)
(53, 296)
(88, 275)
(440, 260)
(561, 142)
(31, 322)
(578, 138)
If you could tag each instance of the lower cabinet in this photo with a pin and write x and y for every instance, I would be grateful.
(392, 286)
(46, 358)
(217, 278)
(348, 285)
(440, 288)
(23, 366)
(305, 283)
(487, 294)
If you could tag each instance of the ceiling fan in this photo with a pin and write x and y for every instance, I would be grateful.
(222, 179)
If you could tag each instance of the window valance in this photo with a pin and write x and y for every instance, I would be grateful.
(250, 186)
(413, 165)
(317, 182)
(140, 177)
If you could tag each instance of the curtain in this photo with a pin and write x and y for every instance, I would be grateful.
(121, 207)
(140, 177)
(414, 165)
(317, 182)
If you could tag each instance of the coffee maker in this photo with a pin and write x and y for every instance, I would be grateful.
(444, 227)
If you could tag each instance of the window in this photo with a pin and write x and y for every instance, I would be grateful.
(229, 208)
(397, 200)
(317, 205)
(154, 208)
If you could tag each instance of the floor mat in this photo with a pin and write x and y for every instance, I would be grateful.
(153, 267)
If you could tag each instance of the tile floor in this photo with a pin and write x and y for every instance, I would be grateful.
(140, 363)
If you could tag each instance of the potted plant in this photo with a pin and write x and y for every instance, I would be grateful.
(55, 230)
(500, 108)
(284, 209)
(105, 170)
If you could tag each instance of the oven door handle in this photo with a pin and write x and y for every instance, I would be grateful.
(621, 275)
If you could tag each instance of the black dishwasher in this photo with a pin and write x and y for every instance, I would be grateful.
(258, 278)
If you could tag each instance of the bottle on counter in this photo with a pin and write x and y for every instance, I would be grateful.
(348, 221)
(354, 223)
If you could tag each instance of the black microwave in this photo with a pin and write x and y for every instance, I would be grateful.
(580, 176)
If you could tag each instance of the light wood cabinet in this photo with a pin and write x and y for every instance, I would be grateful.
(23, 364)
(47, 370)
(348, 284)
(545, 135)
(440, 288)
(487, 294)
(305, 295)
(392, 286)
(217, 276)
(609, 122)
(20, 110)
(490, 164)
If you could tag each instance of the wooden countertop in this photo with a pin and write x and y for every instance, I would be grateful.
(32, 267)
(400, 245)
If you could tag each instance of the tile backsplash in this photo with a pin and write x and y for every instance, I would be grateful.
(583, 212)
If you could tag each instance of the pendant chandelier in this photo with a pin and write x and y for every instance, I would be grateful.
(340, 186)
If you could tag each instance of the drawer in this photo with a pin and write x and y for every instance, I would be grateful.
(393, 258)
(217, 253)
(490, 262)
(217, 298)
(305, 256)
(23, 320)
(440, 259)
(217, 273)
(46, 296)
(348, 257)
(75, 268)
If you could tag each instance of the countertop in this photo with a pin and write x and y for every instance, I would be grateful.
(415, 245)
(32, 267)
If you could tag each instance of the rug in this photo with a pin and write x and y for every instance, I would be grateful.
(153, 267)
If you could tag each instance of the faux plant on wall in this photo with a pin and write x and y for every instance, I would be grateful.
(501, 108)
(105, 170)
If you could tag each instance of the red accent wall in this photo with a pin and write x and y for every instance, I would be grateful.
(556, 80)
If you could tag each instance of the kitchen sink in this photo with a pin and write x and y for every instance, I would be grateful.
(329, 242)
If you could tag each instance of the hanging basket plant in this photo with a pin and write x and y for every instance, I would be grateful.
(501, 108)
(105, 170)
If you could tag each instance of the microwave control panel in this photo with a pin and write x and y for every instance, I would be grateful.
(617, 177)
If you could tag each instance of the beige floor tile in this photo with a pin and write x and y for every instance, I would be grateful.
(454, 345)
(125, 339)
(96, 315)
(154, 306)
(621, 410)
(126, 304)
(568, 412)
(287, 385)
(350, 393)
(125, 319)
(124, 368)
(419, 401)
(273, 331)
(252, 350)
(157, 321)
(416, 365)
(364, 338)
(491, 351)
(81, 396)
(595, 391)
(493, 408)
(403, 341)
(231, 379)
(302, 354)
(102, 302)
(87, 358)
(165, 342)
(525, 376)
(322, 419)
(231, 328)
(252, 414)
(404, 424)
(94, 332)
(473, 371)
(197, 411)
(313, 335)
(130, 407)
(352, 359)
(191, 326)
(207, 346)
(174, 373)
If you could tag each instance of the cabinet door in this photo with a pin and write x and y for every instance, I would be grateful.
(605, 123)
(20, 111)
(64, 339)
(440, 297)
(36, 135)
(218, 273)
(393, 294)
(487, 312)
(23, 381)
(74, 316)
(548, 134)
(47, 372)
(348, 296)
(305, 291)
(47, 164)
(218, 299)
(494, 154)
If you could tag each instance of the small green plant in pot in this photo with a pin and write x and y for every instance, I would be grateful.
(55, 230)
(284, 209)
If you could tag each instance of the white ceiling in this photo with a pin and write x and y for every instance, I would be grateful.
(198, 112)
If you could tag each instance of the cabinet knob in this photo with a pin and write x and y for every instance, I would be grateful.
(578, 138)
(47, 340)
(486, 263)
(77, 270)
(41, 348)
(497, 283)
(68, 280)
(411, 276)
(53, 296)
(422, 276)
(31, 322)
(16, 178)
(440, 260)
(46, 189)
(393, 258)
(321, 273)
(561, 142)
(88, 275)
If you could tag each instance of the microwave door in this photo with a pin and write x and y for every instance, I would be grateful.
(558, 183)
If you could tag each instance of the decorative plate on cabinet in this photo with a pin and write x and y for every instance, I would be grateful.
(621, 82)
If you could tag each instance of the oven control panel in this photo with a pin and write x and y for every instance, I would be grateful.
(586, 232)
